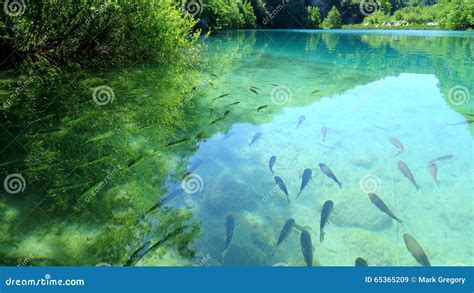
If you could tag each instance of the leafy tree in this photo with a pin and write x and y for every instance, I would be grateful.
(333, 20)
(314, 16)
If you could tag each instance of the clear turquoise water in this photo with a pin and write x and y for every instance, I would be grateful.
(364, 87)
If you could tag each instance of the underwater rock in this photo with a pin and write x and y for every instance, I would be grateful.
(359, 212)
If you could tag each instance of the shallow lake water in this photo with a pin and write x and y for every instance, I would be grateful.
(345, 99)
(363, 88)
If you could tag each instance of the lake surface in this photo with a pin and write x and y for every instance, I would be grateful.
(307, 98)
(363, 87)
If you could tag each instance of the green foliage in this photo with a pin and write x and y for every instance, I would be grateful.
(314, 16)
(229, 14)
(98, 30)
(333, 20)
(460, 16)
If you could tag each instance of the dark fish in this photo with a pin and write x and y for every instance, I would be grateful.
(232, 104)
(176, 142)
(229, 134)
(217, 120)
(214, 75)
(360, 262)
(314, 92)
(271, 163)
(254, 87)
(324, 132)
(434, 171)
(397, 144)
(282, 186)
(300, 120)
(442, 158)
(307, 248)
(226, 112)
(285, 231)
(305, 179)
(378, 202)
(402, 166)
(229, 234)
(256, 137)
(221, 96)
(138, 254)
(254, 91)
(325, 213)
(229, 230)
(416, 250)
(330, 174)
(164, 199)
(274, 84)
(262, 107)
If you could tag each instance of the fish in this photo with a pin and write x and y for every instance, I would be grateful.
(325, 213)
(330, 174)
(360, 262)
(285, 231)
(229, 233)
(255, 138)
(282, 186)
(254, 87)
(416, 250)
(271, 163)
(397, 144)
(138, 254)
(173, 143)
(262, 107)
(300, 120)
(442, 158)
(220, 97)
(232, 104)
(305, 179)
(164, 199)
(315, 91)
(402, 166)
(229, 134)
(324, 132)
(434, 171)
(378, 202)
(307, 248)
(217, 120)
(274, 84)
(226, 112)
(214, 75)
(254, 91)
